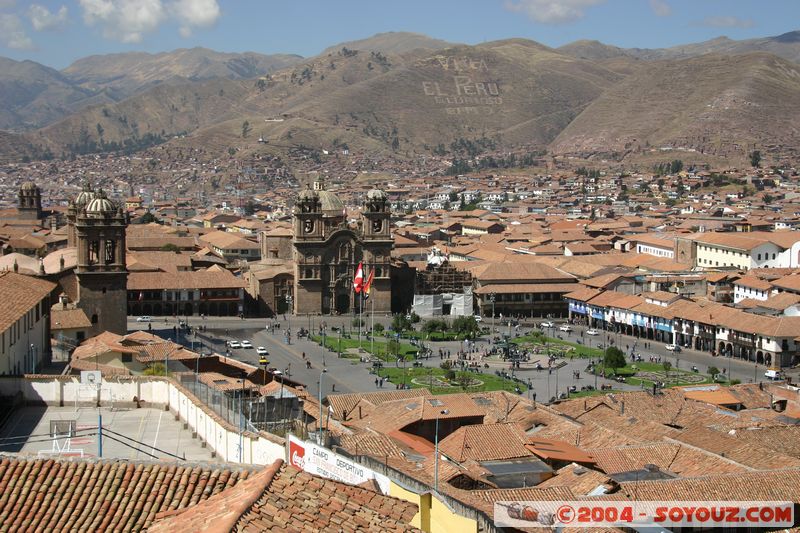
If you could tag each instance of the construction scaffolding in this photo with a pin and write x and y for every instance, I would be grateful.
(442, 289)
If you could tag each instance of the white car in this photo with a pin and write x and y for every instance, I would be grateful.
(246, 344)
(546, 324)
(144, 318)
(672, 347)
(262, 351)
(592, 332)
(234, 344)
(478, 318)
(566, 327)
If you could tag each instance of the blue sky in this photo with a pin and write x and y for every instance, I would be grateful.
(56, 32)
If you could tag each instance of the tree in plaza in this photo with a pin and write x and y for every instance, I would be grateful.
(713, 372)
(400, 323)
(467, 326)
(613, 358)
(378, 327)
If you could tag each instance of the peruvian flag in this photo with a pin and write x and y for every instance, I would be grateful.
(368, 285)
(358, 281)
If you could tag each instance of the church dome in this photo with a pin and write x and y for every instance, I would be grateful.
(28, 186)
(307, 195)
(376, 194)
(331, 204)
(85, 196)
(101, 205)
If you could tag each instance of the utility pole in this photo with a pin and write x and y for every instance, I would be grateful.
(436, 451)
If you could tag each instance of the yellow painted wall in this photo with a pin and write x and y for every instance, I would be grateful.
(433, 516)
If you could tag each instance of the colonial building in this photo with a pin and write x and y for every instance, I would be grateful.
(24, 323)
(327, 251)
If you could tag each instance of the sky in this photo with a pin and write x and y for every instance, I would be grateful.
(57, 32)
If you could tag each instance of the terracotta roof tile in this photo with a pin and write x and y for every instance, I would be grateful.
(99, 495)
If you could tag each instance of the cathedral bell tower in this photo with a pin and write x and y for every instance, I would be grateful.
(30, 201)
(101, 270)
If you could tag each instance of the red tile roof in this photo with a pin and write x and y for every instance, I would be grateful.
(82, 495)
(283, 498)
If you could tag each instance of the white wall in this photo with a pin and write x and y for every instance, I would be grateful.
(258, 448)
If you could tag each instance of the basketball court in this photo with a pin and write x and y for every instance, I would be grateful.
(131, 434)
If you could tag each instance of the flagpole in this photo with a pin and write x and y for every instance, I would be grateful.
(372, 323)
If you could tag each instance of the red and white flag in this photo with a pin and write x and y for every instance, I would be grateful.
(358, 281)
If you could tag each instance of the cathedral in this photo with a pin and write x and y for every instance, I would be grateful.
(327, 251)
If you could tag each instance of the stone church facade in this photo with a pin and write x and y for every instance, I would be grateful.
(327, 251)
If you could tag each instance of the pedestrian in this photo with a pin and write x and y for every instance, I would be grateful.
(376, 383)
(333, 387)
(381, 383)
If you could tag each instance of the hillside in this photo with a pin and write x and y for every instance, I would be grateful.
(393, 42)
(510, 92)
(786, 46)
(715, 104)
(129, 73)
(32, 95)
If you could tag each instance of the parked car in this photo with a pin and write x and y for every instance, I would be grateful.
(478, 318)
(773, 375)
(592, 332)
(546, 324)
(262, 351)
(234, 344)
(566, 327)
(144, 318)
(672, 347)
(246, 344)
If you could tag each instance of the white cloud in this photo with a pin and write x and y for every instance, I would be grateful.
(6, 4)
(12, 34)
(124, 20)
(129, 20)
(660, 8)
(43, 19)
(727, 21)
(552, 11)
(195, 14)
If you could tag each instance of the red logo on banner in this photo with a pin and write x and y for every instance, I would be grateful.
(296, 454)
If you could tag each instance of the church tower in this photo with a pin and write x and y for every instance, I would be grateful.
(377, 243)
(30, 201)
(99, 230)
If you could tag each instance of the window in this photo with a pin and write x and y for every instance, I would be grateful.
(94, 318)
(759, 257)
(773, 257)
(127, 358)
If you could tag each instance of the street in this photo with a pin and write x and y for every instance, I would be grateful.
(349, 375)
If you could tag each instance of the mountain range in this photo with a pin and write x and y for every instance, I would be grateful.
(406, 94)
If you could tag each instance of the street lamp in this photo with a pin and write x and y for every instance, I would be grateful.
(492, 297)
(33, 358)
(436, 451)
(319, 435)
(324, 347)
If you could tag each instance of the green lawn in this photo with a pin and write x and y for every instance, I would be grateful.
(677, 377)
(436, 336)
(340, 345)
(578, 349)
(490, 382)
